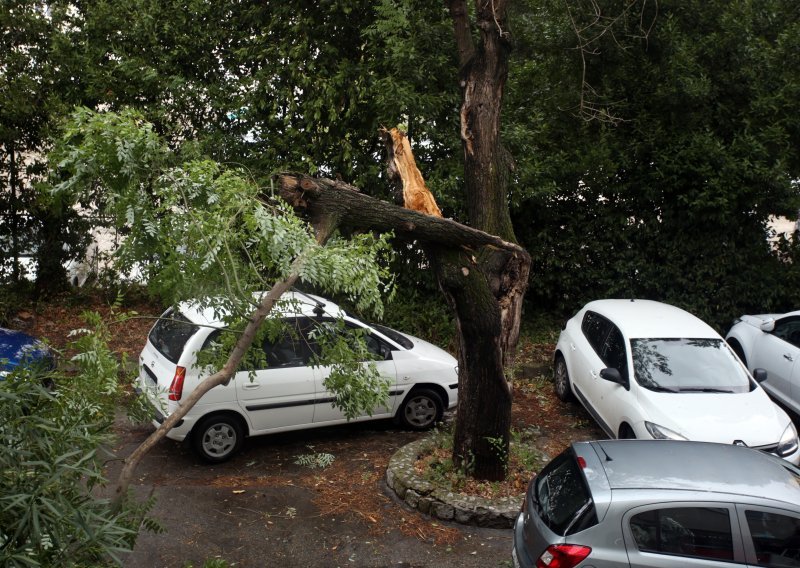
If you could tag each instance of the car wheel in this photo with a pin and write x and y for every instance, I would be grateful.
(421, 410)
(626, 433)
(217, 438)
(561, 380)
(738, 350)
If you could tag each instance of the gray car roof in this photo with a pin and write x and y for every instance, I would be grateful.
(697, 466)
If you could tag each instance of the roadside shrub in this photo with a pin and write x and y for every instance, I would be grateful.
(51, 457)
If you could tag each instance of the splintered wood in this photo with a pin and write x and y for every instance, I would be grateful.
(416, 194)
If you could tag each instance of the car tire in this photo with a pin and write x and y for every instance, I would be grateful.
(421, 410)
(217, 438)
(561, 381)
(738, 350)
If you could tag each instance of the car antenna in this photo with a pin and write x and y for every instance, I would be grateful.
(319, 307)
(608, 457)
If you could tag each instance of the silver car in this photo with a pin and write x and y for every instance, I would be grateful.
(660, 503)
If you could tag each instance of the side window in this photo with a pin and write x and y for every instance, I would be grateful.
(776, 538)
(614, 352)
(595, 327)
(292, 348)
(377, 348)
(314, 329)
(789, 330)
(701, 532)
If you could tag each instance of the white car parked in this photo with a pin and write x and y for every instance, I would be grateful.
(771, 342)
(644, 369)
(288, 393)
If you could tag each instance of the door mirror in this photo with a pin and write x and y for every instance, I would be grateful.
(768, 326)
(760, 375)
(614, 376)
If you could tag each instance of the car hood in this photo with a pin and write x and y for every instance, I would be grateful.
(717, 417)
(16, 346)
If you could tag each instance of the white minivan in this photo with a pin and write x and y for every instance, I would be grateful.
(288, 393)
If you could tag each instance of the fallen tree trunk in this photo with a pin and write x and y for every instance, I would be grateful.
(484, 279)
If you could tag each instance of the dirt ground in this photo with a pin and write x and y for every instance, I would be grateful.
(264, 509)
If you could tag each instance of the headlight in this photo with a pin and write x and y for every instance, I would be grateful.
(788, 442)
(661, 433)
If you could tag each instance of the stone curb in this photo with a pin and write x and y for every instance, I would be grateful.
(425, 497)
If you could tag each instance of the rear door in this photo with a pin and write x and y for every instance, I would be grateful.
(771, 536)
(280, 395)
(677, 534)
(586, 354)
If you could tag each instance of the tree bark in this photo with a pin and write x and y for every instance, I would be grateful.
(488, 305)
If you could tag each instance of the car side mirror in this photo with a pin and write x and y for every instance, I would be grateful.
(768, 326)
(760, 375)
(614, 376)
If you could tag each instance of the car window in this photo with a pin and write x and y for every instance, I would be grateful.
(293, 347)
(595, 327)
(170, 334)
(314, 329)
(776, 538)
(702, 532)
(614, 351)
(687, 365)
(563, 500)
(789, 330)
(396, 336)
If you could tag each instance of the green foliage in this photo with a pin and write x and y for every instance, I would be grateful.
(316, 460)
(211, 234)
(353, 378)
(52, 457)
(670, 201)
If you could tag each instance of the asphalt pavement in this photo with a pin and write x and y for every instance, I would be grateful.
(262, 509)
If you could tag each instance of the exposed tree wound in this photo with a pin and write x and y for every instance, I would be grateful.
(403, 167)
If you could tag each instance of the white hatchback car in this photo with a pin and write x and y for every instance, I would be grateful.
(771, 342)
(644, 369)
(289, 393)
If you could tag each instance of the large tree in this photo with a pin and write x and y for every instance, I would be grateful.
(659, 142)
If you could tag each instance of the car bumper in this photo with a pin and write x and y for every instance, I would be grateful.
(519, 554)
(179, 431)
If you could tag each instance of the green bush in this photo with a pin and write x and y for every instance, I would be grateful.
(51, 458)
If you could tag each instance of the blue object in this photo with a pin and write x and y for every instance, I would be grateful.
(18, 348)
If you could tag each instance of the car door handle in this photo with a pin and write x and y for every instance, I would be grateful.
(788, 357)
(251, 386)
(594, 374)
(572, 346)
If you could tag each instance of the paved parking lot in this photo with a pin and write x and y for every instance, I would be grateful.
(262, 509)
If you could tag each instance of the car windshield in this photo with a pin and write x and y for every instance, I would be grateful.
(687, 365)
(562, 497)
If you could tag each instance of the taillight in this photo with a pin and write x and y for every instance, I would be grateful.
(562, 556)
(176, 388)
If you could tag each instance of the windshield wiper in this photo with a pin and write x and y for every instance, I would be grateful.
(659, 388)
(704, 389)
